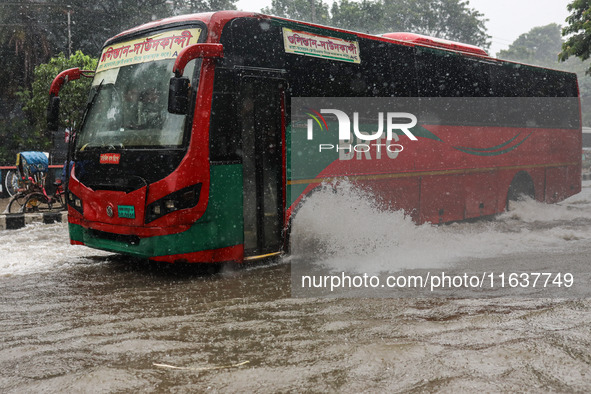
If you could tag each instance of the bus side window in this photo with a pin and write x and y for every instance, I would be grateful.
(225, 137)
(447, 74)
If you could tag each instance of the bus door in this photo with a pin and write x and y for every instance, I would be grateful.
(262, 115)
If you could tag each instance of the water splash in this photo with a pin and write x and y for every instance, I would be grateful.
(342, 228)
(40, 248)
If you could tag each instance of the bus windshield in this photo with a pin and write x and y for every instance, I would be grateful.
(129, 108)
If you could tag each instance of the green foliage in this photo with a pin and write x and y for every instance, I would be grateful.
(95, 22)
(448, 19)
(579, 31)
(540, 47)
(73, 94)
(358, 16)
(15, 136)
(24, 41)
(191, 6)
(303, 10)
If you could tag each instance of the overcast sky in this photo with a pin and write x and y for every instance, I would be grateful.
(508, 19)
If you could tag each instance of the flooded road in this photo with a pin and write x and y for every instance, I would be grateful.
(80, 320)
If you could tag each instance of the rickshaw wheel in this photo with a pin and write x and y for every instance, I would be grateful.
(35, 202)
(11, 182)
(16, 204)
(56, 203)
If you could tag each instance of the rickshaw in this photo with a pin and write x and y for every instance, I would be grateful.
(38, 190)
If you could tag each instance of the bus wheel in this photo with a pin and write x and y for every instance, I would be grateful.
(522, 187)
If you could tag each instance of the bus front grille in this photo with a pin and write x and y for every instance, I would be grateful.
(128, 239)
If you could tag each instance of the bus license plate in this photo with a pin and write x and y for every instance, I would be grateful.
(126, 211)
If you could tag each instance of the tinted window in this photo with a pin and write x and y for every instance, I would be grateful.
(386, 69)
(224, 132)
(449, 74)
(519, 80)
(252, 43)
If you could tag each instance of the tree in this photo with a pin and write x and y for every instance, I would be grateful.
(541, 46)
(14, 134)
(449, 19)
(180, 7)
(366, 16)
(304, 10)
(579, 28)
(24, 42)
(73, 96)
(95, 22)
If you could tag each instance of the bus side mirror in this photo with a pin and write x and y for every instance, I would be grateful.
(178, 95)
(53, 111)
(53, 108)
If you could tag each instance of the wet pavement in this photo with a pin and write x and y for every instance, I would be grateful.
(103, 325)
(3, 204)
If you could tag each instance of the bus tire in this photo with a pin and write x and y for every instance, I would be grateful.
(522, 187)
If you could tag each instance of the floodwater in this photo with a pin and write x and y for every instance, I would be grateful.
(80, 320)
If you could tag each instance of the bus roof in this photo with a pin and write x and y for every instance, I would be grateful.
(214, 20)
(437, 42)
(217, 20)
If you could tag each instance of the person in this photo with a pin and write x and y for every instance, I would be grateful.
(143, 108)
(131, 108)
(151, 108)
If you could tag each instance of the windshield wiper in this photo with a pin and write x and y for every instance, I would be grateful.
(93, 99)
(87, 110)
(91, 103)
(98, 89)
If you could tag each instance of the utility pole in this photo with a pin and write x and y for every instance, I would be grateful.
(69, 32)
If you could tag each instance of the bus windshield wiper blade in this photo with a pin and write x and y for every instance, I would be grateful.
(95, 95)
(88, 106)
(91, 101)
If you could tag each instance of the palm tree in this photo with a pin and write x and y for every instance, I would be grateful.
(24, 39)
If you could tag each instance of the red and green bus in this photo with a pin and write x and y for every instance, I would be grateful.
(185, 152)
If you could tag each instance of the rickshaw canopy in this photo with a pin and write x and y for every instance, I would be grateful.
(34, 161)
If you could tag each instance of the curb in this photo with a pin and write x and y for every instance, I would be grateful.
(14, 221)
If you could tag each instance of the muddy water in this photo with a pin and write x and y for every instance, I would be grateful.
(102, 325)
(77, 320)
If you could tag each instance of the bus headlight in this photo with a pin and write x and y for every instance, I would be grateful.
(181, 199)
(75, 202)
